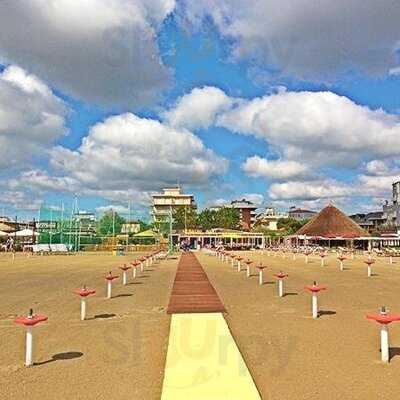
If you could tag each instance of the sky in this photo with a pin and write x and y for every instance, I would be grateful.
(284, 102)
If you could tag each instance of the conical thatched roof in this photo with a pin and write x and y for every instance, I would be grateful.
(331, 222)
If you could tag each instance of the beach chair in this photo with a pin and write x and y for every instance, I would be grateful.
(40, 249)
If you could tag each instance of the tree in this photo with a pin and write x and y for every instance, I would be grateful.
(144, 226)
(184, 217)
(110, 223)
(227, 218)
(207, 219)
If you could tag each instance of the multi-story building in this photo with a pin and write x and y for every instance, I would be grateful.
(86, 222)
(269, 218)
(130, 227)
(169, 200)
(300, 214)
(371, 222)
(246, 209)
(391, 212)
(247, 213)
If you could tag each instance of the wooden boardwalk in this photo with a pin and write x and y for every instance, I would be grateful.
(192, 291)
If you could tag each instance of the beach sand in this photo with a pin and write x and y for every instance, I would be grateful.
(293, 357)
(121, 353)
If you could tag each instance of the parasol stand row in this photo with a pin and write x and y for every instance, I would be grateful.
(135, 264)
(341, 259)
(109, 278)
(125, 268)
(369, 263)
(323, 255)
(280, 276)
(29, 322)
(384, 319)
(142, 260)
(239, 268)
(84, 293)
(248, 265)
(314, 289)
(260, 273)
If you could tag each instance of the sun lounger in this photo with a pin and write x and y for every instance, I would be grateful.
(41, 249)
(58, 248)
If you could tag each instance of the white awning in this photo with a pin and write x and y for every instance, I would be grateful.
(24, 233)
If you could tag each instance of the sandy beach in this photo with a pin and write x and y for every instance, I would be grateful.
(290, 355)
(120, 351)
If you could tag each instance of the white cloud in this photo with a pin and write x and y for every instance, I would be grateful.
(394, 71)
(311, 40)
(257, 167)
(199, 108)
(116, 208)
(317, 128)
(31, 117)
(311, 190)
(41, 182)
(378, 167)
(126, 151)
(101, 51)
(20, 200)
(377, 185)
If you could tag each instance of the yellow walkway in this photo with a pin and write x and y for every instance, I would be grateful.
(203, 361)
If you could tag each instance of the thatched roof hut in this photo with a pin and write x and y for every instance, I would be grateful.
(332, 223)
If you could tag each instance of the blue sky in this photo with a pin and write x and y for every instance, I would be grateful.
(273, 103)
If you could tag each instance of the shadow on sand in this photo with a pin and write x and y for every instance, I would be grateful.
(122, 295)
(394, 352)
(103, 316)
(321, 313)
(290, 294)
(69, 355)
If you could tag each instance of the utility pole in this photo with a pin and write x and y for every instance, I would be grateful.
(185, 220)
(51, 224)
(170, 244)
(62, 222)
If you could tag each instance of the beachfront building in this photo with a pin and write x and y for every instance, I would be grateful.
(269, 219)
(247, 213)
(130, 227)
(169, 200)
(391, 212)
(8, 226)
(331, 227)
(300, 214)
(229, 238)
(246, 209)
(86, 222)
(371, 222)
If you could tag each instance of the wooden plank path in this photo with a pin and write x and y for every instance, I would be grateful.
(192, 291)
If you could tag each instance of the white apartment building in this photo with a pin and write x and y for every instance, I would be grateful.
(170, 199)
(269, 218)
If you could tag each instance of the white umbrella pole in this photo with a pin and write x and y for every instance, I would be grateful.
(314, 306)
(280, 287)
(384, 343)
(29, 346)
(83, 308)
(109, 286)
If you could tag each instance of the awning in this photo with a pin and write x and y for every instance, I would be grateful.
(146, 234)
(24, 233)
